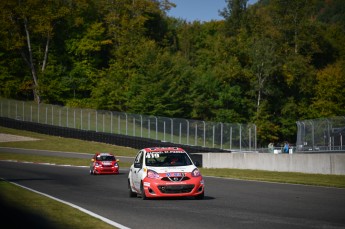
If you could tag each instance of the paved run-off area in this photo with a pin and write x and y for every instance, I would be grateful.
(15, 138)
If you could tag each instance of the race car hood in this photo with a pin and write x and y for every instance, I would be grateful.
(186, 169)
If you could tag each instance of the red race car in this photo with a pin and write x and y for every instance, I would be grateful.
(104, 163)
(164, 172)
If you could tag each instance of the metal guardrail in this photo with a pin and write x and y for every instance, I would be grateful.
(225, 136)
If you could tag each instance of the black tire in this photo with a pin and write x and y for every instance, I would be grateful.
(130, 192)
(200, 196)
(143, 196)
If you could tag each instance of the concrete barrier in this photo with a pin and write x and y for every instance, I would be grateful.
(320, 163)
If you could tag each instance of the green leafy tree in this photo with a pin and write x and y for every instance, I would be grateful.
(294, 19)
(329, 97)
(268, 128)
(8, 81)
(29, 31)
(88, 52)
(205, 93)
(264, 63)
(235, 15)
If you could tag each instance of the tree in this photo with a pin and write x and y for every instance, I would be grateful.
(330, 88)
(29, 30)
(204, 94)
(292, 17)
(264, 63)
(88, 54)
(234, 15)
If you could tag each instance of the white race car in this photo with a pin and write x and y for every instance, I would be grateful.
(164, 172)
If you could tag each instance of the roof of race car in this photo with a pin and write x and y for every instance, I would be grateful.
(165, 149)
(104, 154)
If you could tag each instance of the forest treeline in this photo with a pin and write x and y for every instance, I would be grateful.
(271, 63)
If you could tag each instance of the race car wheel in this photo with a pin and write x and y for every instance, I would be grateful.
(143, 196)
(200, 196)
(131, 193)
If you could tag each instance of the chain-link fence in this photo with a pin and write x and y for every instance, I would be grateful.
(226, 136)
(321, 134)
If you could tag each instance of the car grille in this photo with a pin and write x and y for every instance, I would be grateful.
(107, 169)
(176, 179)
(176, 188)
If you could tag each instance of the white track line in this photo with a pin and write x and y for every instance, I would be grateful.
(108, 221)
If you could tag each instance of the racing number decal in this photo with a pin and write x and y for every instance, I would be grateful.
(152, 155)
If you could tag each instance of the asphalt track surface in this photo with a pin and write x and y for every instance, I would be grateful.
(228, 203)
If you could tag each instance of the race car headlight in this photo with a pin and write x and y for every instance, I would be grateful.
(196, 173)
(152, 174)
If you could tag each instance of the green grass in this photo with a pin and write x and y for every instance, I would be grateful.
(44, 159)
(54, 143)
(50, 159)
(58, 214)
(281, 177)
(23, 208)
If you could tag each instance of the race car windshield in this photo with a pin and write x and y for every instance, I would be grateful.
(106, 158)
(167, 159)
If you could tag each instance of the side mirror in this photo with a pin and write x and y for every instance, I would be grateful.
(137, 165)
(196, 163)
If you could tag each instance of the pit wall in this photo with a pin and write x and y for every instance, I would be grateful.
(325, 163)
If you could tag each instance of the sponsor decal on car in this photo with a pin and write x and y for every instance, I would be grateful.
(175, 174)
